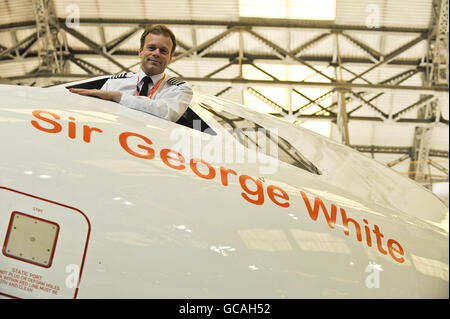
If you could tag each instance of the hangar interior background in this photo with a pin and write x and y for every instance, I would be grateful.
(372, 74)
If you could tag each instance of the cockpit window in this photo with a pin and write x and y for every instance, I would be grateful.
(192, 120)
(95, 84)
(253, 135)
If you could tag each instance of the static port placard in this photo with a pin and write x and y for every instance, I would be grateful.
(31, 239)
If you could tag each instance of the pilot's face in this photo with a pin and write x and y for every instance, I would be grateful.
(155, 55)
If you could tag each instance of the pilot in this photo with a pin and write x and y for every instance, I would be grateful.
(150, 90)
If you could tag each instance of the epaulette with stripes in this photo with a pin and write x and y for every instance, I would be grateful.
(120, 76)
(175, 81)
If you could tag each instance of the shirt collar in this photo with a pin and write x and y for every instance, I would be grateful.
(155, 78)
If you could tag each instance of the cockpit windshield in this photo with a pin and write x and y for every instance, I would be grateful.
(254, 136)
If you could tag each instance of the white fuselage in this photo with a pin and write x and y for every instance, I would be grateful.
(119, 205)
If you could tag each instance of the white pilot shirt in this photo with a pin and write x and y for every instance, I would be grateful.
(169, 102)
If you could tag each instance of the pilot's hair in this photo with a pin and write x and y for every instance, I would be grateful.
(159, 29)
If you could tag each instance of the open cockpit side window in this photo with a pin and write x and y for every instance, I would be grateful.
(192, 120)
(94, 84)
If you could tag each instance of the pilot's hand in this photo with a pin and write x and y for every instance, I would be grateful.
(105, 95)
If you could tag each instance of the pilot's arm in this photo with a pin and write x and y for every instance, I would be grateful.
(170, 104)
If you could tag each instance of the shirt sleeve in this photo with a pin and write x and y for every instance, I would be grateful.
(170, 104)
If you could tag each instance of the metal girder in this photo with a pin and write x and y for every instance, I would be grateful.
(421, 145)
(252, 57)
(235, 25)
(243, 22)
(268, 101)
(424, 175)
(439, 178)
(23, 43)
(395, 80)
(182, 45)
(399, 78)
(404, 121)
(341, 101)
(374, 55)
(86, 66)
(114, 44)
(383, 115)
(101, 31)
(309, 43)
(438, 153)
(365, 87)
(94, 46)
(336, 85)
(438, 53)
(438, 166)
(429, 108)
(368, 102)
(238, 25)
(403, 76)
(269, 83)
(342, 118)
(50, 50)
(396, 150)
(232, 62)
(172, 70)
(397, 161)
(353, 73)
(310, 59)
(391, 56)
(241, 54)
(307, 105)
(223, 91)
(205, 45)
(424, 99)
(2, 48)
(287, 53)
(293, 90)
